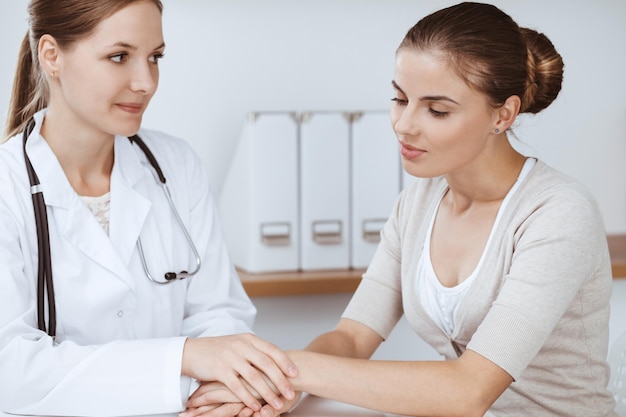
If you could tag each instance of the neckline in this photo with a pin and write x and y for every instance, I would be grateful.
(529, 163)
(99, 198)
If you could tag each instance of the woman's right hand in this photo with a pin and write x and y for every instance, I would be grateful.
(228, 358)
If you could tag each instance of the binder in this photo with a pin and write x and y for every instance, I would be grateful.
(258, 202)
(324, 191)
(376, 181)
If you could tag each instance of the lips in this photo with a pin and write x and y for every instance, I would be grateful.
(131, 107)
(410, 152)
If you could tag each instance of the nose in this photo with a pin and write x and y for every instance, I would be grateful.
(404, 120)
(145, 78)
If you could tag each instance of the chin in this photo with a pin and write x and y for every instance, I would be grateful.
(126, 133)
(414, 170)
(129, 129)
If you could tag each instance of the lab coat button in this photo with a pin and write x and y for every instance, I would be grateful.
(120, 313)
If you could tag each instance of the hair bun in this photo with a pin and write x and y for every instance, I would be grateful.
(545, 72)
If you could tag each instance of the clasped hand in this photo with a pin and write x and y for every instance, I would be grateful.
(214, 399)
(242, 373)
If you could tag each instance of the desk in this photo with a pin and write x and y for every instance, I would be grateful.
(312, 406)
(617, 248)
(343, 281)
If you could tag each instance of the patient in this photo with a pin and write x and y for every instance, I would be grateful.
(497, 260)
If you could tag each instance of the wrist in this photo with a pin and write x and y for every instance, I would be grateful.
(185, 368)
(298, 358)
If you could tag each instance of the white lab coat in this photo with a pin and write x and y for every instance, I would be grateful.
(119, 336)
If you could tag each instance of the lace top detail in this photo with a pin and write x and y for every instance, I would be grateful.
(100, 208)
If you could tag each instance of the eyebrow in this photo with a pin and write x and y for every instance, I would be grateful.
(425, 98)
(133, 47)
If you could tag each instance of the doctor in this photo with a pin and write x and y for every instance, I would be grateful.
(116, 342)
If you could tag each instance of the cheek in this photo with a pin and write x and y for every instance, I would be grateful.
(86, 86)
(459, 133)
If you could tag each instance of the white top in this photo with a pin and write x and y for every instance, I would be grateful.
(441, 302)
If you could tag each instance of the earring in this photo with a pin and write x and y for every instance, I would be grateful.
(497, 131)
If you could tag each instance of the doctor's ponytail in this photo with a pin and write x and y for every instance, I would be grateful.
(29, 93)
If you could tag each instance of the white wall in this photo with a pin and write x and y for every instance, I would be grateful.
(225, 58)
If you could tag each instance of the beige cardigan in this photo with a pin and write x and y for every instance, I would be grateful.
(539, 308)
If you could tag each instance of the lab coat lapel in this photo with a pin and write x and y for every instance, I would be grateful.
(129, 208)
(81, 228)
(68, 215)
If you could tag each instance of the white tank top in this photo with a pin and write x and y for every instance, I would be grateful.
(441, 303)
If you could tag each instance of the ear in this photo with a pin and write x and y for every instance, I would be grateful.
(507, 113)
(48, 52)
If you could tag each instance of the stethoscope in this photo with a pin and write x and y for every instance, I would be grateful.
(45, 287)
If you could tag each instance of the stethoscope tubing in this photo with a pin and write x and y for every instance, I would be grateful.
(45, 286)
(169, 276)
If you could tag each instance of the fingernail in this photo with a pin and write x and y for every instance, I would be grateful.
(277, 403)
(289, 394)
(293, 371)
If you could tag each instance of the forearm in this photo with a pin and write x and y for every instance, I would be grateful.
(349, 339)
(332, 343)
(440, 388)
